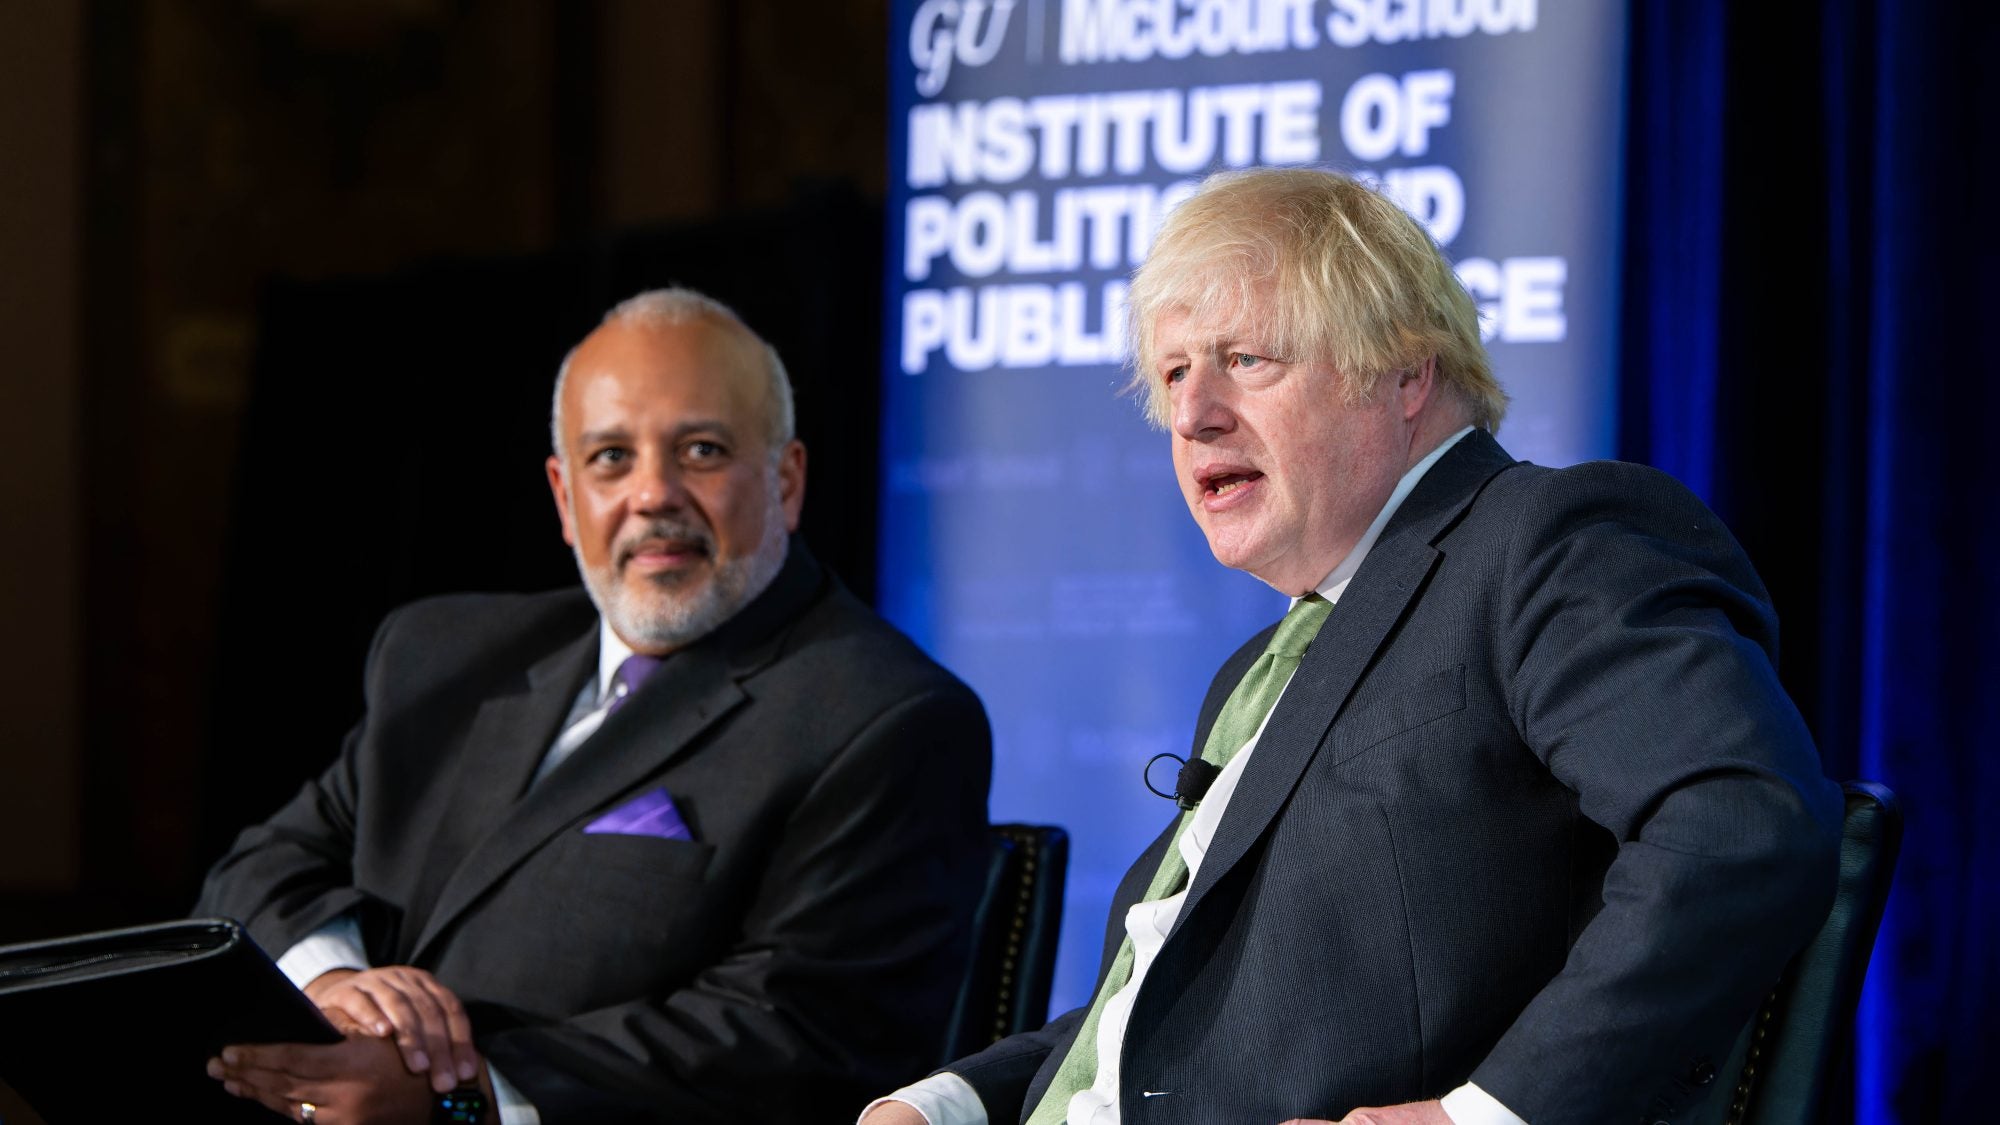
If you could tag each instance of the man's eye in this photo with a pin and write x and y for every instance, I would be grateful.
(1246, 361)
(1176, 374)
(610, 455)
(703, 451)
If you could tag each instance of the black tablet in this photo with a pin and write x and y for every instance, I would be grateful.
(120, 1024)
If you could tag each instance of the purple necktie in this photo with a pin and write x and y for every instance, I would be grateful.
(631, 675)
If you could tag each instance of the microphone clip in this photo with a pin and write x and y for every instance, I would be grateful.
(1190, 785)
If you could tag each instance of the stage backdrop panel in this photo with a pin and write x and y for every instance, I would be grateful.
(1033, 538)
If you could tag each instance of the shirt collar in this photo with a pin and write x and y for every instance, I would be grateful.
(1334, 584)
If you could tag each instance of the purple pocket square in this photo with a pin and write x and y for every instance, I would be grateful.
(649, 814)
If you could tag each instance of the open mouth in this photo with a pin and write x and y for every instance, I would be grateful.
(1223, 483)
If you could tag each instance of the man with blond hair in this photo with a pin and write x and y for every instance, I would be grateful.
(699, 842)
(1513, 821)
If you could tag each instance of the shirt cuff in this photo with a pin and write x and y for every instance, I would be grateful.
(514, 1108)
(336, 945)
(1470, 1105)
(944, 1099)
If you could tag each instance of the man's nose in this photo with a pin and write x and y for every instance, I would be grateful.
(657, 486)
(1200, 407)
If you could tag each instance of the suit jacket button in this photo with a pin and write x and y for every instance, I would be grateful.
(1703, 1073)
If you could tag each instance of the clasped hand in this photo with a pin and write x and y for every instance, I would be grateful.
(404, 1032)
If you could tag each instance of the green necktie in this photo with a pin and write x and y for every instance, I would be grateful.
(1241, 715)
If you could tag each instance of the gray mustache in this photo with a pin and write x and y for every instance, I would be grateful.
(666, 529)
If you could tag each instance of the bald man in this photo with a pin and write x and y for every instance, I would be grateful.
(698, 842)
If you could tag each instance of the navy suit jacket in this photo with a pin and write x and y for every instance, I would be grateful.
(1534, 812)
(799, 953)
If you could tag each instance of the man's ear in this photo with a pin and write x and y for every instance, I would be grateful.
(557, 488)
(792, 481)
(1415, 387)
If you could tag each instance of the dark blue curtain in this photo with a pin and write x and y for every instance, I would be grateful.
(1811, 255)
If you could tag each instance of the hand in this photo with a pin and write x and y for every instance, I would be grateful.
(893, 1113)
(359, 1080)
(429, 1023)
(1414, 1113)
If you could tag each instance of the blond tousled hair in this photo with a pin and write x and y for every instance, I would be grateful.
(1322, 267)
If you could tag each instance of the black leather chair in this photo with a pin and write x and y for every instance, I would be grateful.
(1792, 1048)
(1006, 988)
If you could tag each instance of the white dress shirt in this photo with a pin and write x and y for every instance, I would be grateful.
(946, 1099)
(337, 945)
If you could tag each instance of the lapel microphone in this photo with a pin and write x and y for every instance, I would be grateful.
(1190, 785)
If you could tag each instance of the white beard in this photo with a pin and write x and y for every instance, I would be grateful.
(672, 621)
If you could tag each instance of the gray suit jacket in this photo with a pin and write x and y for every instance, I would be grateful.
(1534, 811)
(798, 954)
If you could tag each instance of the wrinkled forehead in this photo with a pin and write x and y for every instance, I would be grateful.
(1211, 313)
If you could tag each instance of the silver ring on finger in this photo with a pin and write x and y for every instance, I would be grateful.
(307, 1112)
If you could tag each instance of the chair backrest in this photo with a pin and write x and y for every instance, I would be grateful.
(1006, 987)
(1792, 1048)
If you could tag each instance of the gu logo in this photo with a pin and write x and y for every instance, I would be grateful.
(944, 29)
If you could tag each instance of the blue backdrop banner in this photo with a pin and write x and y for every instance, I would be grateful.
(1032, 535)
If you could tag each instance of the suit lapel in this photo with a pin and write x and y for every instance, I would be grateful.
(1370, 607)
(504, 744)
(692, 691)
(513, 732)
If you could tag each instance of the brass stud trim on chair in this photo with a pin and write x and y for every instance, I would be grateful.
(1739, 1103)
(1003, 1008)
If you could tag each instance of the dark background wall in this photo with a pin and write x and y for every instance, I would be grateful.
(286, 284)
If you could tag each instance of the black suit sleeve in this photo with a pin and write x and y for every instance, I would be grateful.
(1645, 681)
(1003, 1075)
(844, 969)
